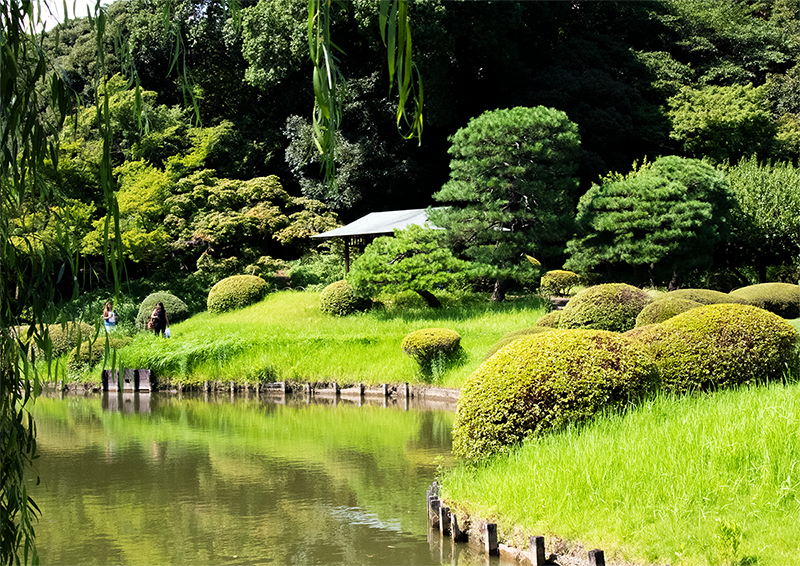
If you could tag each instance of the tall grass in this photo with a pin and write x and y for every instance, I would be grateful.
(702, 479)
(287, 337)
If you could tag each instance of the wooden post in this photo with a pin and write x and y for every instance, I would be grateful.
(537, 551)
(457, 534)
(385, 389)
(346, 255)
(444, 520)
(406, 390)
(433, 511)
(597, 558)
(491, 539)
(232, 387)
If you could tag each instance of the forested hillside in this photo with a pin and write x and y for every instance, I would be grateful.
(217, 174)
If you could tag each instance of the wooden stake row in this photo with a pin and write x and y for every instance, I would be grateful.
(440, 518)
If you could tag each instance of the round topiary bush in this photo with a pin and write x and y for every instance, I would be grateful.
(550, 320)
(426, 344)
(339, 299)
(719, 346)
(176, 308)
(782, 299)
(664, 309)
(610, 306)
(544, 382)
(704, 296)
(559, 282)
(89, 353)
(511, 336)
(236, 292)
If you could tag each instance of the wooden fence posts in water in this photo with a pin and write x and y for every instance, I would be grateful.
(132, 380)
(440, 518)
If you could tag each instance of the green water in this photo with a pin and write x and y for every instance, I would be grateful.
(163, 479)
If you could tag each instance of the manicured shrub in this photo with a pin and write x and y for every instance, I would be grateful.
(236, 292)
(89, 353)
(176, 308)
(610, 306)
(429, 343)
(339, 299)
(550, 320)
(704, 296)
(559, 282)
(511, 336)
(719, 346)
(664, 309)
(544, 382)
(782, 299)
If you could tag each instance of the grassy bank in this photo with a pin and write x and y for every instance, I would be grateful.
(676, 481)
(286, 337)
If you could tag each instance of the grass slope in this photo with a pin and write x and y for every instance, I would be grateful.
(287, 337)
(673, 481)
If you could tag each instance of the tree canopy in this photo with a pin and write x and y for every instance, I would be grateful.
(663, 218)
(511, 190)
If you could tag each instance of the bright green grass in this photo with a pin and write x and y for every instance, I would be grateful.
(286, 337)
(657, 485)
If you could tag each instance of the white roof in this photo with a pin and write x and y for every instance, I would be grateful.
(380, 223)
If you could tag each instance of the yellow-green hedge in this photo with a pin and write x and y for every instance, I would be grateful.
(236, 292)
(544, 382)
(559, 282)
(663, 309)
(610, 306)
(782, 299)
(339, 299)
(720, 346)
(424, 345)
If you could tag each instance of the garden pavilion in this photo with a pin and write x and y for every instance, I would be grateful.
(361, 232)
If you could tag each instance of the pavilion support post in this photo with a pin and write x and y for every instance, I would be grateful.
(347, 254)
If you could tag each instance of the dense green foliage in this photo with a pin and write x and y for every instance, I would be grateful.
(610, 306)
(340, 299)
(412, 260)
(720, 346)
(665, 218)
(236, 292)
(766, 218)
(546, 382)
(511, 189)
(663, 308)
(559, 282)
(430, 346)
(175, 308)
(782, 299)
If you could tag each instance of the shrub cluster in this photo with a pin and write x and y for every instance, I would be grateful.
(511, 336)
(704, 296)
(176, 308)
(663, 309)
(544, 382)
(550, 320)
(339, 299)
(559, 282)
(719, 346)
(90, 353)
(610, 306)
(782, 299)
(236, 292)
(429, 343)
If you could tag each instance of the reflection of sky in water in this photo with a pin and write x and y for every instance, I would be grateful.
(357, 516)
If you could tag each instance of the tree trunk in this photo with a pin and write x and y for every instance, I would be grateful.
(675, 282)
(499, 292)
(430, 298)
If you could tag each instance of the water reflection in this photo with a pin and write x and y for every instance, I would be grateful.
(139, 478)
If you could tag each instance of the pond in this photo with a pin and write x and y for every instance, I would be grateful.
(237, 479)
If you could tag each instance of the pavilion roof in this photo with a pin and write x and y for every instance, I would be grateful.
(380, 223)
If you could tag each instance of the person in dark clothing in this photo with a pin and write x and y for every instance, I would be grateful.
(159, 319)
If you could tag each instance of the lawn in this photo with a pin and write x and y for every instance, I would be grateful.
(286, 337)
